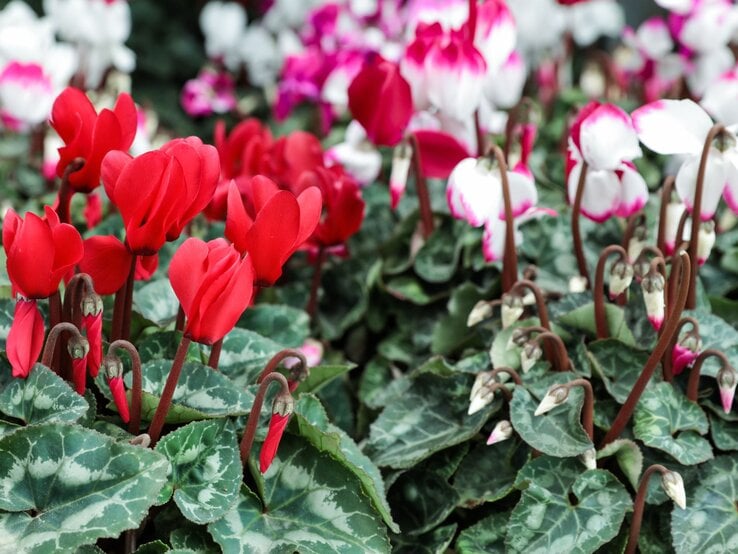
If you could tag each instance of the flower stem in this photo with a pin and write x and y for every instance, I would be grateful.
(47, 358)
(667, 359)
(157, 423)
(421, 186)
(588, 408)
(279, 357)
(668, 329)
(560, 360)
(137, 389)
(180, 323)
(215, 354)
(510, 258)
(509, 371)
(312, 306)
(693, 382)
(598, 292)
(666, 190)
(65, 190)
(248, 436)
(575, 231)
(123, 305)
(538, 295)
(639, 505)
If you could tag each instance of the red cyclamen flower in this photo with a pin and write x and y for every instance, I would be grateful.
(213, 284)
(277, 425)
(26, 337)
(107, 260)
(118, 390)
(89, 135)
(270, 224)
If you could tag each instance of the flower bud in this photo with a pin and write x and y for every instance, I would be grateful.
(518, 338)
(555, 396)
(482, 398)
(636, 243)
(685, 353)
(674, 487)
(112, 366)
(621, 276)
(705, 241)
(78, 348)
(482, 310)
(727, 382)
(283, 405)
(653, 296)
(512, 309)
(531, 353)
(92, 304)
(502, 431)
(589, 458)
(482, 379)
(401, 158)
(577, 283)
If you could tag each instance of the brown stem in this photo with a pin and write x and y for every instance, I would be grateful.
(56, 331)
(638, 507)
(714, 132)
(673, 284)
(510, 258)
(666, 190)
(633, 222)
(598, 292)
(575, 231)
(312, 306)
(666, 360)
(426, 212)
(65, 190)
(588, 408)
(669, 327)
(513, 118)
(128, 307)
(157, 423)
(180, 323)
(693, 382)
(215, 354)
(494, 387)
(279, 357)
(247, 440)
(540, 300)
(78, 284)
(481, 142)
(137, 382)
(509, 371)
(560, 361)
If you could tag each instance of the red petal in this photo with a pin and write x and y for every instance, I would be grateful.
(112, 167)
(187, 270)
(107, 261)
(92, 324)
(238, 222)
(26, 337)
(71, 110)
(118, 390)
(311, 205)
(277, 425)
(31, 257)
(125, 112)
(439, 153)
(79, 374)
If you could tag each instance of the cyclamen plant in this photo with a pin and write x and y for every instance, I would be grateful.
(480, 321)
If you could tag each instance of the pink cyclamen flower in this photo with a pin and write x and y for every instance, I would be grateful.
(681, 127)
(603, 136)
(210, 92)
(26, 96)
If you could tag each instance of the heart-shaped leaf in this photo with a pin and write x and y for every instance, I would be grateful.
(666, 420)
(618, 365)
(487, 535)
(629, 457)
(582, 319)
(244, 354)
(433, 542)
(715, 333)
(157, 302)
(321, 375)
(282, 324)
(437, 259)
(81, 486)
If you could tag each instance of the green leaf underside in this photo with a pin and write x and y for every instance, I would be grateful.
(244, 354)
(629, 458)
(666, 420)
(80, 484)
(314, 506)
(431, 415)
(206, 469)
(43, 397)
(582, 318)
(557, 433)
(487, 535)
(201, 393)
(710, 521)
(565, 508)
(313, 424)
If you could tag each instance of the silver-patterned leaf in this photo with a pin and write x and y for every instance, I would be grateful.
(629, 458)
(487, 535)
(244, 355)
(618, 365)
(283, 324)
(157, 302)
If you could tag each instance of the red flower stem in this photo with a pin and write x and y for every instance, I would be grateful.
(278, 358)
(638, 507)
(588, 408)
(714, 132)
(56, 331)
(55, 309)
(180, 323)
(560, 360)
(510, 258)
(65, 190)
(137, 389)
(668, 329)
(157, 423)
(312, 307)
(481, 139)
(693, 383)
(575, 232)
(598, 291)
(128, 308)
(666, 190)
(667, 359)
(509, 371)
(79, 283)
(215, 354)
(248, 436)
(421, 186)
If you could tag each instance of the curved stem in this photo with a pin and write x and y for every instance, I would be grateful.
(137, 382)
(312, 306)
(667, 359)
(588, 408)
(78, 284)
(693, 382)
(575, 231)
(598, 291)
(128, 308)
(157, 423)
(540, 301)
(494, 387)
(56, 331)
(248, 436)
(560, 361)
(714, 132)
(633, 222)
(509, 371)
(421, 186)
(639, 505)
(279, 357)
(510, 258)
(215, 354)
(669, 327)
(666, 190)
(65, 190)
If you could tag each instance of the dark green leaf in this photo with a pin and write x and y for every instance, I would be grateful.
(487, 535)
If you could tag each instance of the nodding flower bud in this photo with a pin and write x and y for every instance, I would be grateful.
(589, 458)
(482, 310)
(653, 295)
(727, 382)
(91, 323)
(555, 396)
(92, 304)
(401, 158)
(621, 276)
(518, 338)
(482, 379)
(705, 241)
(636, 243)
(282, 409)
(685, 352)
(512, 309)
(502, 431)
(531, 353)
(113, 368)
(673, 485)
(283, 405)
(78, 349)
(578, 283)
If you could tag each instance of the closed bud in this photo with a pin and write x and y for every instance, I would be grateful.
(589, 458)
(653, 296)
(482, 310)
(621, 276)
(283, 405)
(482, 379)
(512, 309)
(482, 398)
(502, 431)
(555, 396)
(401, 158)
(518, 338)
(578, 283)
(112, 366)
(92, 304)
(727, 382)
(705, 241)
(78, 348)
(674, 487)
(531, 353)
(636, 243)
(685, 353)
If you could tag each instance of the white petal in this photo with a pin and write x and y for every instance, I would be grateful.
(716, 174)
(503, 86)
(707, 67)
(676, 6)
(493, 240)
(601, 193)
(607, 138)
(523, 194)
(674, 486)
(730, 193)
(672, 126)
(634, 192)
(719, 98)
(473, 192)
(654, 38)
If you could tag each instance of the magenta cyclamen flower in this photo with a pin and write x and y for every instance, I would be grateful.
(211, 92)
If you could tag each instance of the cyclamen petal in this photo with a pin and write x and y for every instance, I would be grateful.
(672, 126)
(26, 337)
(118, 390)
(607, 138)
(79, 374)
(473, 192)
(277, 425)
(634, 192)
(716, 175)
(601, 196)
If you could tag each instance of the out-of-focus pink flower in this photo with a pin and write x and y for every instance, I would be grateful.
(210, 92)
(26, 96)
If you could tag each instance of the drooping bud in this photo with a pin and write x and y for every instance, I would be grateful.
(282, 409)
(482, 396)
(143, 440)
(401, 158)
(482, 310)
(555, 396)
(91, 323)
(589, 458)
(705, 241)
(577, 283)
(502, 431)
(621, 276)
(653, 295)
(674, 487)
(113, 368)
(482, 379)
(512, 309)
(531, 353)
(636, 243)
(685, 352)
(727, 382)
(518, 338)
(78, 349)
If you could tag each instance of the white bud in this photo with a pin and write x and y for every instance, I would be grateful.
(512, 309)
(727, 383)
(705, 241)
(674, 487)
(592, 82)
(481, 399)
(401, 158)
(636, 243)
(653, 296)
(482, 310)
(502, 431)
(483, 379)
(589, 458)
(621, 276)
(578, 283)
(529, 356)
(555, 396)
